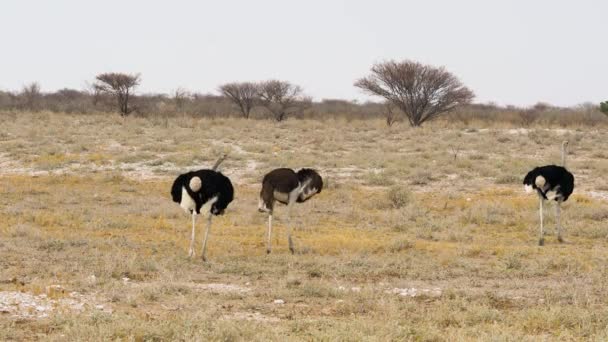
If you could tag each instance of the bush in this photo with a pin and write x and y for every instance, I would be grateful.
(379, 179)
(399, 196)
(604, 107)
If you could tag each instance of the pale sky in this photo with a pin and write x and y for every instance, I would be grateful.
(511, 52)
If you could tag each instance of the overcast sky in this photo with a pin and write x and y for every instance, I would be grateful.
(510, 52)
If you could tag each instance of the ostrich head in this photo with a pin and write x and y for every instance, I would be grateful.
(224, 197)
(216, 210)
(312, 183)
(176, 189)
(533, 180)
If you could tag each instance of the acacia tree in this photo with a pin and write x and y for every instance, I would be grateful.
(421, 92)
(282, 98)
(120, 86)
(244, 95)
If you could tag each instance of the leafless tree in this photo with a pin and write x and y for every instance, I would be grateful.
(282, 98)
(422, 92)
(31, 96)
(120, 86)
(529, 115)
(180, 97)
(244, 95)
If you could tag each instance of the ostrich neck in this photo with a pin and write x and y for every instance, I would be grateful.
(564, 156)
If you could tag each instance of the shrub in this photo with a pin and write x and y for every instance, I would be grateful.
(399, 196)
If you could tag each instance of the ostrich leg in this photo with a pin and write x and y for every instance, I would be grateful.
(558, 221)
(269, 243)
(292, 200)
(206, 235)
(191, 252)
(541, 240)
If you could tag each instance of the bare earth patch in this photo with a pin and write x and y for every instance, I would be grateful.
(26, 305)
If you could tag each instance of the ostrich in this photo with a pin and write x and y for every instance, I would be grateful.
(287, 187)
(553, 183)
(194, 189)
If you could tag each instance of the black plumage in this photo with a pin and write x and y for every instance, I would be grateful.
(554, 178)
(213, 184)
(282, 181)
(553, 183)
(286, 186)
(313, 184)
(194, 189)
(279, 183)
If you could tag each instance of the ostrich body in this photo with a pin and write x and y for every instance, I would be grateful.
(287, 187)
(194, 189)
(553, 183)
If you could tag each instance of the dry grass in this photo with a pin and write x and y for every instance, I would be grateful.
(84, 203)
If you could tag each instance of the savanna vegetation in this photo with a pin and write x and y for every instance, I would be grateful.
(421, 234)
(409, 92)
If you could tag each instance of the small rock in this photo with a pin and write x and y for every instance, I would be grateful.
(279, 301)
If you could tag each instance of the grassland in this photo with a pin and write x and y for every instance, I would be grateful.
(85, 206)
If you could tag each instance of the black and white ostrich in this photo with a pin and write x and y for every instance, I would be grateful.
(195, 189)
(287, 187)
(553, 183)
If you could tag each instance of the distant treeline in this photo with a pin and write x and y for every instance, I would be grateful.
(183, 103)
(177, 104)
